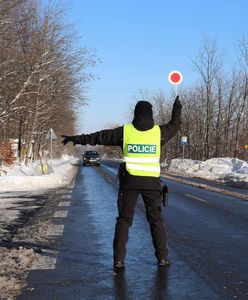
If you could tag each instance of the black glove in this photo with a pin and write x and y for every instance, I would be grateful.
(177, 102)
(68, 139)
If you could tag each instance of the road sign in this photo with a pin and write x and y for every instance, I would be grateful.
(175, 77)
(51, 135)
(184, 140)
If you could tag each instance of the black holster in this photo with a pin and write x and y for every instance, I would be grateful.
(164, 194)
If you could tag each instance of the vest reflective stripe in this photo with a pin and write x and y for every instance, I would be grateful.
(141, 150)
(140, 159)
(143, 168)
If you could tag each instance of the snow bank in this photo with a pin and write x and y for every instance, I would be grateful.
(16, 262)
(231, 171)
(22, 178)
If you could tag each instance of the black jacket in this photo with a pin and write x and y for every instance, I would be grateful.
(114, 137)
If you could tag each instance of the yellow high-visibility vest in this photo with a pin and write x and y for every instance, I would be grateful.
(141, 150)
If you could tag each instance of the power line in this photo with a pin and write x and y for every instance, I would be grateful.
(125, 90)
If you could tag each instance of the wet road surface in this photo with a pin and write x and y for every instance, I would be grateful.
(207, 240)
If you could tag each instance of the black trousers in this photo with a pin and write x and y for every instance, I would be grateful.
(126, 205)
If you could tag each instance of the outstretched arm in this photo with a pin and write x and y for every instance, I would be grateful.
(171, 128)
(109, 137)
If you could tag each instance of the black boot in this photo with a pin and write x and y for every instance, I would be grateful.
(164, 263)
(119, 267)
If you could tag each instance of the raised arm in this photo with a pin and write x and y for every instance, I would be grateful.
(171, 128)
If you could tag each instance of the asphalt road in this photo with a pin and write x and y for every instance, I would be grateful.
(208, 243)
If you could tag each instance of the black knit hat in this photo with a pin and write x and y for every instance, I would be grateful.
(143, 116)
(143, 108)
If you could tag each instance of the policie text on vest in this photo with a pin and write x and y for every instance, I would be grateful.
(141, 148)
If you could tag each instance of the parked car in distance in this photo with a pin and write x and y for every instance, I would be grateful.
(91, 158)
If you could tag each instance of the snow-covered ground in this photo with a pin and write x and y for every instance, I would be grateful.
(19, 187)
(24, 178)
(231, 171)
(18, 179)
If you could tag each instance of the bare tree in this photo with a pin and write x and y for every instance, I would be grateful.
(242, 112)
(208, 64)
(42, 71)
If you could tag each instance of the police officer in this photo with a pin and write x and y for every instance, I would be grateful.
(141, 142)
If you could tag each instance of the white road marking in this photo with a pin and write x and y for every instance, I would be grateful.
(47, 260)
(64, 203)
(61, 214)
(55, 230)
(64, 191)
(196, 198)
(73, 183)
(66, 197)
(69, 191)
(60, 191)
